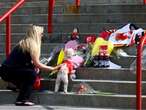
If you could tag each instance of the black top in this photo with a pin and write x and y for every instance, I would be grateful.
(18, 58)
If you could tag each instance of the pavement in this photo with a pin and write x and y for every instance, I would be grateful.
(45, 107)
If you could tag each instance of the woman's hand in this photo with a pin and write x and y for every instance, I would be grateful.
(37, 70)
(58, 67)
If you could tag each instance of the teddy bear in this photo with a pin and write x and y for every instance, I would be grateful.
(65, 70)
(102, 58)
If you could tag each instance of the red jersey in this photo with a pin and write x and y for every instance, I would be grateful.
(69, 65)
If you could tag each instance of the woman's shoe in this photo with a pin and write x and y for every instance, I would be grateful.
(26, 103)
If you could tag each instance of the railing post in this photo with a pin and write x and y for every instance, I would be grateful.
(77, 3)
(50, 15)
(139, 73)
(139, 78)
(8, 35)
(144, 1)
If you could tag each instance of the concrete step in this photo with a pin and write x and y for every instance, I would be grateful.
(125, 62)
(71, 99)
(46, 107)
(97, 9)
(17, 0)
(57, 39)
(121, 63)
(68, 27)
(54, 38)
(7, 4)
(3, 56)
(27, 10)
(33, 3)
(91, 73)
(107, 74)
(47, 47)
(61, 38)
(111, 86)
(93, 2)
(95, 86)
(98, 18)
(80, 18)
(100, 8)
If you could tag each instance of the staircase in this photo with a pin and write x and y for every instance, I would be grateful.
(115, 88)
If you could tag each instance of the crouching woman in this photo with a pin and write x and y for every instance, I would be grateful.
(22, 65)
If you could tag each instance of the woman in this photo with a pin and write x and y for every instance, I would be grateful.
(22, 65)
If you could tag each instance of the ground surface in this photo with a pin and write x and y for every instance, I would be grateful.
(40, 107)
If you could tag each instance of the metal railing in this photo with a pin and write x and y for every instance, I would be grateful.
(7, 16)
(139, 54)
(50, 13)
(139, 73)
(144, 1)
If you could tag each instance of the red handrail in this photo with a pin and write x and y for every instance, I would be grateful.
(144, 1)
(139, 73)
(77, 3)
(50, 13)
(7, 17)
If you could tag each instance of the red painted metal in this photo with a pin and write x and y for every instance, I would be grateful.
(14, 8)
(139, 73)
(8, 35)
(7, 16)
(144, 1)
(50, 15)
(77, 3)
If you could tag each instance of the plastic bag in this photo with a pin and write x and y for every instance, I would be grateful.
(133, 65)
(37, 83)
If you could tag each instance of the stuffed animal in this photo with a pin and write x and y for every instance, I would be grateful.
(66, 69)
(70, 63)
(75, 34)
(102, 58)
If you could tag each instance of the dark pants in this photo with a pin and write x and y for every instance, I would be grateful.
(23, 78)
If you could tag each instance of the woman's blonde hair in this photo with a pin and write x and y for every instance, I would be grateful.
(32, 41)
